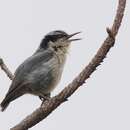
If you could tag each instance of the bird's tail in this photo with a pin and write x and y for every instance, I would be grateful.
(10, 96)
(4, 104)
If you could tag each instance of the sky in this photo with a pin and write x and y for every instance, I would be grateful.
(102, 103)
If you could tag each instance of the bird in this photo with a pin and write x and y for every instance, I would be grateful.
(41, 72)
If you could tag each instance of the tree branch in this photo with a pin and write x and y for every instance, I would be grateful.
(51, 104)
(5, 69)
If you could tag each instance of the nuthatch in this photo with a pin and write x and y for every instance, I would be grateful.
(40, 73)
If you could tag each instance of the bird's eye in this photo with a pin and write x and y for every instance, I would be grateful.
(54, 38)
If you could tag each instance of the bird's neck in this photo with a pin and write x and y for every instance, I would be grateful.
(61, 53)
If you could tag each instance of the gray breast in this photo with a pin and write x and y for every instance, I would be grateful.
(44, 78)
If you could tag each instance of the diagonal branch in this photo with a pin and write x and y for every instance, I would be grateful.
(5, 69)
(50, 105)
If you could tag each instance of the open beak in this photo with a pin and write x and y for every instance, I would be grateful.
(71, 35)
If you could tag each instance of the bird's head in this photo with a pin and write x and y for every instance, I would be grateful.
(57, 39)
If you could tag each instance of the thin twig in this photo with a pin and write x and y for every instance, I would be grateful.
(51, 104)
(5, 69)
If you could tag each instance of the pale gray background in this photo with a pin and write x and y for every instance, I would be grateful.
(103, 103)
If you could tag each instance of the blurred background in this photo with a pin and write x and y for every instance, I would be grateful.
(100, 104)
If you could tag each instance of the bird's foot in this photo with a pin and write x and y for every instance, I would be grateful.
(44, 98)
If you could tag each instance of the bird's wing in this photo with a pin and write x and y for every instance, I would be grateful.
(28, 66)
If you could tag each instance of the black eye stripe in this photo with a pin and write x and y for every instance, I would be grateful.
(48, 38)
(52, 36)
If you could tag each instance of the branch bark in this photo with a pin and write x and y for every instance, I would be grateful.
(6, 70)
(48, 106)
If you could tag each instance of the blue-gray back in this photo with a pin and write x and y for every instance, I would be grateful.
(28, 66)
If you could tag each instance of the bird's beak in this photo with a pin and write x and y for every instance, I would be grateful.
(71, 35)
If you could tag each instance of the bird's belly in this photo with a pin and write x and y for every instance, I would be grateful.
(52, 80)
(45, 83)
